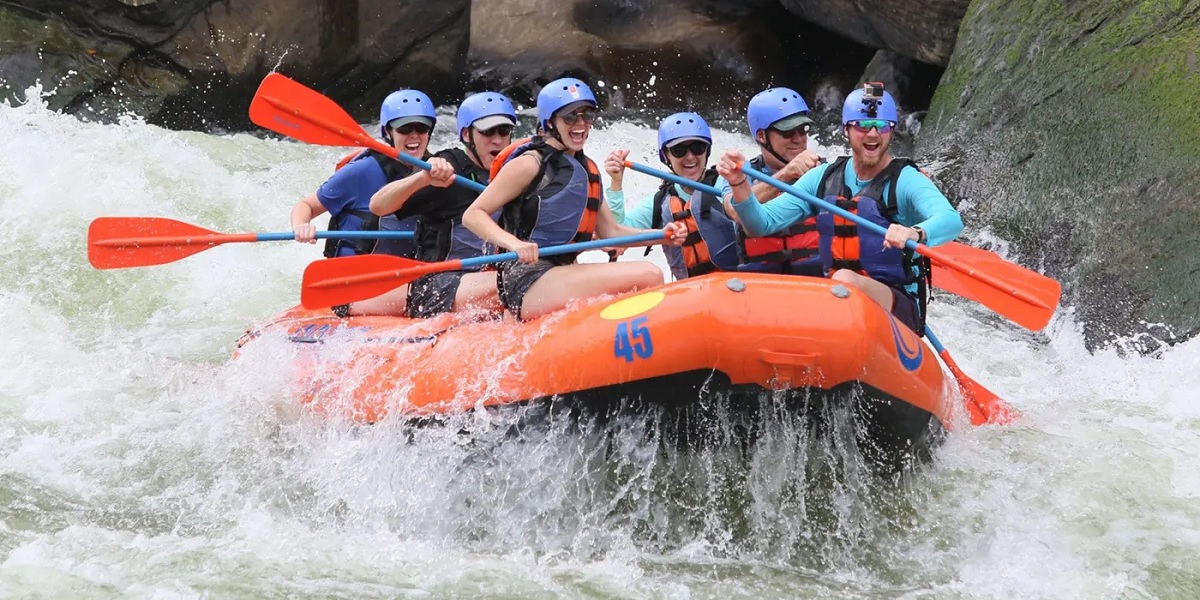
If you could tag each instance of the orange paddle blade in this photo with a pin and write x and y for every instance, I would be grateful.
(122, 242)
(985, 407)
(335, 281)
(290, 108)
(1031, 296)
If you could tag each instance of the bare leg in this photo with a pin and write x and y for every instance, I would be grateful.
(561, 285)
(878, 292)
(391, 303)
(477, 291)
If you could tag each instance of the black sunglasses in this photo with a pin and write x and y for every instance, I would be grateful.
(588, 116)
(499, 130)
(408, 128)
(790, 133)
(696, 147)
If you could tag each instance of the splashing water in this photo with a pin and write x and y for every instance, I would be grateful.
(139, 461)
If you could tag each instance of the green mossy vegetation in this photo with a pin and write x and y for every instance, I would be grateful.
(1074, 128)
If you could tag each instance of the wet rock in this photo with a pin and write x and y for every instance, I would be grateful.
(667, 55)
(911, 82)
(1070, 129)
(185, 63)
(924, 30)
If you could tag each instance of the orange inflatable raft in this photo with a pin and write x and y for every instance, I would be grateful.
(792, 339)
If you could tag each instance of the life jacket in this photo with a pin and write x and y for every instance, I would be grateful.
(449, 239)
(711, 243)
(792, 251)
(368, 221)
(562, 201)
(844, 245)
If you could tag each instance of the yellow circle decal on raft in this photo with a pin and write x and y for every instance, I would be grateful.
(632, 306)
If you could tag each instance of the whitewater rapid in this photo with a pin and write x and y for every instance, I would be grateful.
(137, 460)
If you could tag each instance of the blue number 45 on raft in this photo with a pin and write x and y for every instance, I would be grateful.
(633, 340)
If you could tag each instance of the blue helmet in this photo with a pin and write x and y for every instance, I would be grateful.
(559, 93)
(856, 107)
(771, 105)
(405, 103)
(484, 104)
(681, 125)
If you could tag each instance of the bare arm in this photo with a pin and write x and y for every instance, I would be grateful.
(608, 227)
(508, 184)
(391, 197)
(307, 209)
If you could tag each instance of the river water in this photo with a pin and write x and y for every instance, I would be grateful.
(138, 461)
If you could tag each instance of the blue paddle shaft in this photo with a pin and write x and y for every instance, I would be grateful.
(279, 236)
(420, 164)
(797, 192)
(649, 236)
(933, 341)
(695, 185)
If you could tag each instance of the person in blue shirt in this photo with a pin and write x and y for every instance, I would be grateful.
(684, 145)
(886, 190)
(406, 118)
(779, 122)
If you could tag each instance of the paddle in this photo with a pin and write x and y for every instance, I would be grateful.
(985, 407)
(122, 242)
(290, 108)
(336, 281)
(1025, 297)
(947, 278)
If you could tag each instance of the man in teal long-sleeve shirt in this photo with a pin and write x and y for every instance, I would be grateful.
(873, 263)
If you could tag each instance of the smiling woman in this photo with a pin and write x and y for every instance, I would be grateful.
(684, 145)
(548, 191)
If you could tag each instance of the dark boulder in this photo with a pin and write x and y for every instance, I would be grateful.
(924, 30)
(670, 55)
(186, 63)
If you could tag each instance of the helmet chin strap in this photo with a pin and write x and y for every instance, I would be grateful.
(554, 132)
(470, 144)
(769, 150)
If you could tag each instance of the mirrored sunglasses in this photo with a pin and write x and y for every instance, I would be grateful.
(865, 125)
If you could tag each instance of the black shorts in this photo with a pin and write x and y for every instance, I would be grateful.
(433, 294)
(513, 280)
(904, 308)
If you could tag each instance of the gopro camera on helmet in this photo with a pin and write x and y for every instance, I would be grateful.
(872, 94)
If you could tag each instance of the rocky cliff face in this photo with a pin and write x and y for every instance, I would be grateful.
(1071, 128)
(919, 29)
(184, 63)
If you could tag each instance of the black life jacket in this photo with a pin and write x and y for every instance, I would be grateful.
(448, 239)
